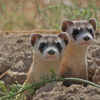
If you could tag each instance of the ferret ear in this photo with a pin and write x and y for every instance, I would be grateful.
(92, 21)
(65, 37)
(65, 24)
(35, 37)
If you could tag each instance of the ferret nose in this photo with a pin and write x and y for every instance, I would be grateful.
(86, 38)
(51, 52)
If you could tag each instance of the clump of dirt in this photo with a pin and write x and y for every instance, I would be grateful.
(57, 91)
(16, 58)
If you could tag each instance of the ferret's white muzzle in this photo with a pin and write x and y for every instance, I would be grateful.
(51, 53)
(85, 38)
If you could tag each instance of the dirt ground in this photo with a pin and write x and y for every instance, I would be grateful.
(16, 58)
(57, 91)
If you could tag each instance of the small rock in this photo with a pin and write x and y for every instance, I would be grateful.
(19, 41)
(82, 97)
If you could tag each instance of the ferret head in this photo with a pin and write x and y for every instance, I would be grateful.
(80, 32)
(49, 46)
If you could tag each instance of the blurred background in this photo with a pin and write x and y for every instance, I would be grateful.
(45, 14)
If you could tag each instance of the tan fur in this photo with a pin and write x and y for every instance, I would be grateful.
(39, 68)
(73, 63)
(42, 67)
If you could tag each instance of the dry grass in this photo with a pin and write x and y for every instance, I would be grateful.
(36, 14)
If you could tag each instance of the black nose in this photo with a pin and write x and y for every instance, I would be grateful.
(86, 38)
(51, 52)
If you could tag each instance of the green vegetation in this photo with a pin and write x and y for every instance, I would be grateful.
(11, 95)
(74, 12)
(47, 17)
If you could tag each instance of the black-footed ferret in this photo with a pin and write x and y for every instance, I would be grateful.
(48, 49)
(81, 35)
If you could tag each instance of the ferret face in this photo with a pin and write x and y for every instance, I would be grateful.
(50, 46)
(80, 32)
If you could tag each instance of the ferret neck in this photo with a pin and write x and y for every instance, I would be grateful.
(76, 50)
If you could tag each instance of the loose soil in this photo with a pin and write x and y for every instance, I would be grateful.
(16, 58)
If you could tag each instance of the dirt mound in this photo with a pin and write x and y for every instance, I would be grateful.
(57, 91)
(16, 58)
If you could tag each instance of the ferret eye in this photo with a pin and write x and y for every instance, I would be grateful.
(90, 30)
(58, 45)
(42, 45)
(75, 31)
